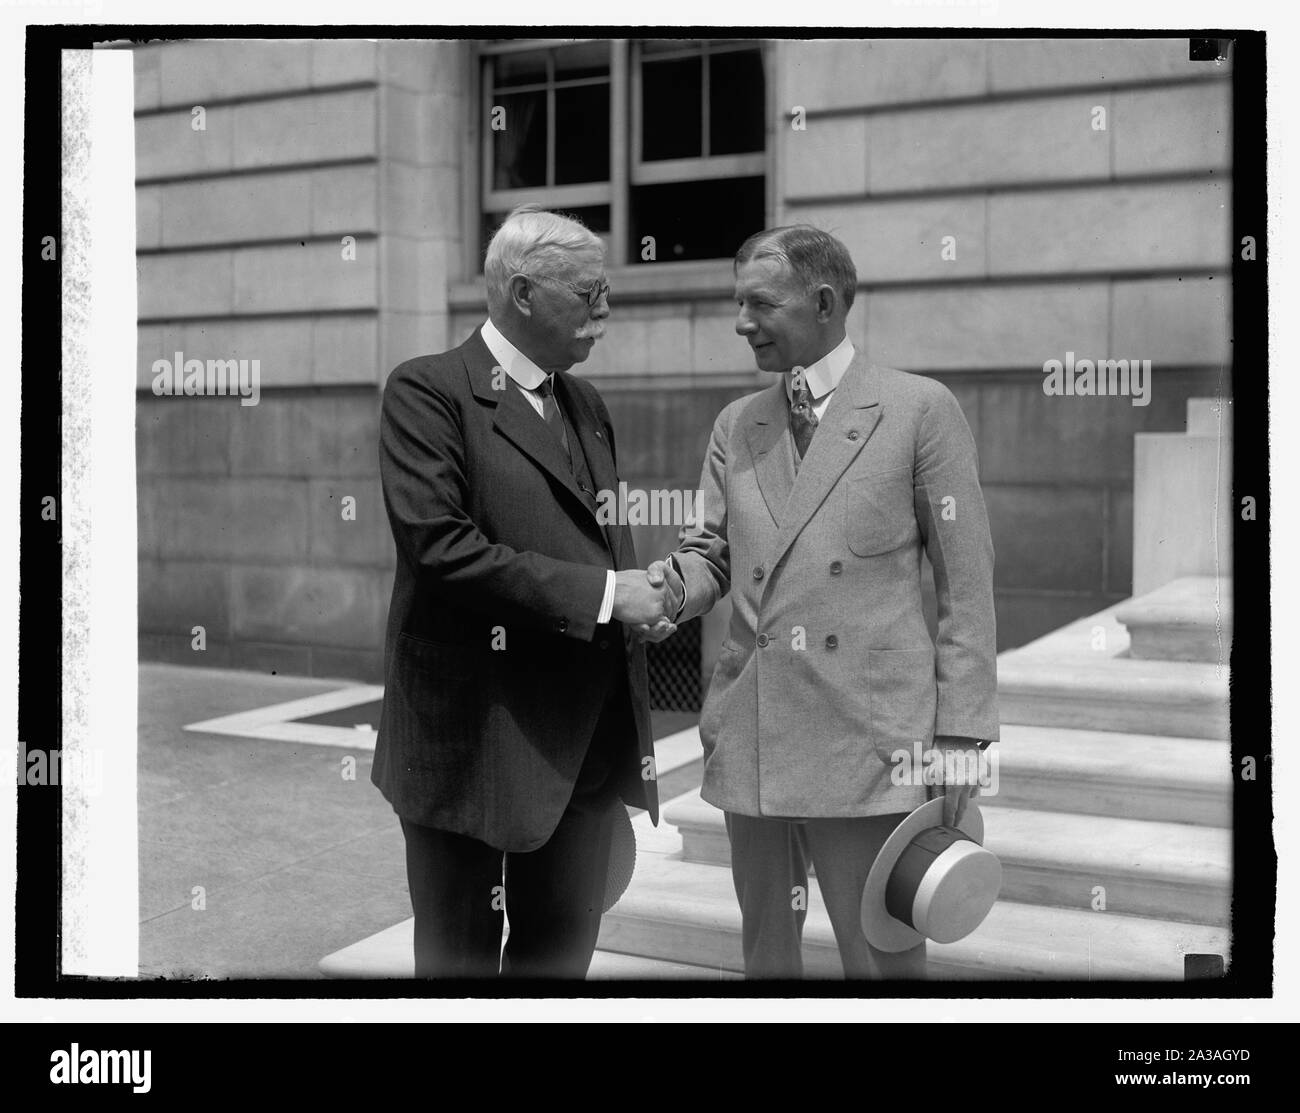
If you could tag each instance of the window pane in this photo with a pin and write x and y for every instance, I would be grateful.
(736, 103)
(661, 46)
(519, 151)
(671, 109)
(582, 134)
(595, 217)
(526, 67)
(695, 220)
(582, 60)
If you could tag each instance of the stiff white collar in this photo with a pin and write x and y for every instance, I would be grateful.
(825, 375)
(522, 370)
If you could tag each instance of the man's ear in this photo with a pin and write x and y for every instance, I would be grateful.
(521, 294)
(825, 300)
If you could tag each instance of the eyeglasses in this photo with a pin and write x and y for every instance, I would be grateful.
(593, 295)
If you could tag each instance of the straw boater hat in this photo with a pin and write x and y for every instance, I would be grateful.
(930, 881)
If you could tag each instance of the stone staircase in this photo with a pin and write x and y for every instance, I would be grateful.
(1111, 814)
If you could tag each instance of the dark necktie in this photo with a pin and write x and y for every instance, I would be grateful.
(803, 421)
(551, 411)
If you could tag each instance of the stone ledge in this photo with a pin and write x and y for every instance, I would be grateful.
(1188, 619)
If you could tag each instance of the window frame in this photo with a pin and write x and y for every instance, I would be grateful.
(572, 195)
(704, 166)
(626, 167)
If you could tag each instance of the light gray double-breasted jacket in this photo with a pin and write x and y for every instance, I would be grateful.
(828, 667)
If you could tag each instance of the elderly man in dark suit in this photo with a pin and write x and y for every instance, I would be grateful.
(819, 494)
(515, 713)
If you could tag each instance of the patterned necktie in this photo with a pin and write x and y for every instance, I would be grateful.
(551, 411)
(803, 421)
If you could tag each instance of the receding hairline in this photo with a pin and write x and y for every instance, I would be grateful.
(775, 244)
(787, 272)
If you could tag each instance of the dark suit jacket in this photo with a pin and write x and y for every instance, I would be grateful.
(496, 546)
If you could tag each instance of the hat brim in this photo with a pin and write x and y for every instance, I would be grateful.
(882, 930)
(622, 857)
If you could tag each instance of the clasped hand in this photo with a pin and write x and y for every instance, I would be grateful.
(649, 601)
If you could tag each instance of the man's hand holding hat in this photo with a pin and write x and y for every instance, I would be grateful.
(959, 772)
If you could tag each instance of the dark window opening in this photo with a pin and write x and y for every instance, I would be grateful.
(676, 96)
(519, 149)
(520, 68)
(671, 106)
(582, 134)
(736, 103)
(695, 220)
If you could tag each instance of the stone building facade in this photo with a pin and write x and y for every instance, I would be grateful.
(321, 207)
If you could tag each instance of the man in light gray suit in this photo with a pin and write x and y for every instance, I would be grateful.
(818, 495)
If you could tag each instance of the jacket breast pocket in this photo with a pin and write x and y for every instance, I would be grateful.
(903, 699)
(879, 515)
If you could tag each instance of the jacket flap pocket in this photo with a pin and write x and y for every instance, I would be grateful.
(903, 698)
(879, 512)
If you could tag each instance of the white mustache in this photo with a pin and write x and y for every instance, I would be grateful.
(589, 334)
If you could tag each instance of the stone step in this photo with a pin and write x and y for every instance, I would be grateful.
(1084, 676)
(1129, 776)
(1167, 871)
(611, 966)
(1188, 619)
(389, 954)
(1179, 699)
(678, 911)
(1170, 871)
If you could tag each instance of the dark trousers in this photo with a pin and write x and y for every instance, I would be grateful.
(769, 865)
(553, 896)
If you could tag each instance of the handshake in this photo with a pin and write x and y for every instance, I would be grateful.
(649, 601)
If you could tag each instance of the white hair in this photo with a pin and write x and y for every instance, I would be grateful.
(535, 241)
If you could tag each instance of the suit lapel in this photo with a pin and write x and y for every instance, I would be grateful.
(516, 420)
(772, 449)
(844, 429)
(600, 459)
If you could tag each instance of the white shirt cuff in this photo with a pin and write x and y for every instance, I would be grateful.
(607, 603)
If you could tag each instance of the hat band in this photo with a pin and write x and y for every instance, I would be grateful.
(908, 874)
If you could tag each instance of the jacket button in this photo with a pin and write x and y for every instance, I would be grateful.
(758, 573)
(832, 641)
(563, 625)
(853, 434)
(763, 639)
(836, 568)
(604, 643)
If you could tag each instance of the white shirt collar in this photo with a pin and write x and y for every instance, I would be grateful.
(825, 375)
(522, 370)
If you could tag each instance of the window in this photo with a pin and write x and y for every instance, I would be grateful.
(658, 146)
